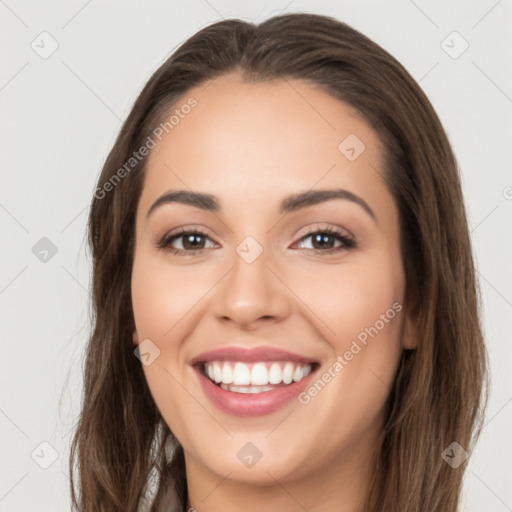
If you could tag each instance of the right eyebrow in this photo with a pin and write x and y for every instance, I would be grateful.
(198, 199)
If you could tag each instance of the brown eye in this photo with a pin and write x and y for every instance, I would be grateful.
(325, 240)
(184, 242)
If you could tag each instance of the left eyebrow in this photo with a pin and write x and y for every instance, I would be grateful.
(291, 203)
(312, 197)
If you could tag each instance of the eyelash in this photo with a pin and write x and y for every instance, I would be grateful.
(347, 241)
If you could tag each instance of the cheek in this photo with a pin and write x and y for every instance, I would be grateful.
(164, 301)
(348, 299)
(362, 298)
(163, 305)
(362, 307)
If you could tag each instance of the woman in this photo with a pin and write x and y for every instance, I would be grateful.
(286, 309)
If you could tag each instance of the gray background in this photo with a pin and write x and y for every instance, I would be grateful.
(60, 117)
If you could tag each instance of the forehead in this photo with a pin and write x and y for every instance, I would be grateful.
(258, 138)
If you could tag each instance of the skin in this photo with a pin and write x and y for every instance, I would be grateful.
(252, 145)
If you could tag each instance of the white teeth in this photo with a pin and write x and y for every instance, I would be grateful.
(217, 372)
(297, 374)
(275, 375)
(246, 389)
(255, 377)
(227, 374)
(241, 375)
(288, 373)
(259, 375)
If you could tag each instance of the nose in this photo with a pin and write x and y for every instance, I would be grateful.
(251, 294)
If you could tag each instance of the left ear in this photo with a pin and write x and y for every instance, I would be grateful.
(410, 335)
(135, 338)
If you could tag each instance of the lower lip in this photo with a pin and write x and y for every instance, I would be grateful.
(251, 404)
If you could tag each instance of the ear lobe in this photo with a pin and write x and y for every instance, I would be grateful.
(410, 335)
(135, 338)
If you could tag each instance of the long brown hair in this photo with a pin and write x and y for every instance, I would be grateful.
(439, 392)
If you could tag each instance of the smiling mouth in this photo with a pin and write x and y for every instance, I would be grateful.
(256, 377)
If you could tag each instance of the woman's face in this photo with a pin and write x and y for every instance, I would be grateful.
(293, 303)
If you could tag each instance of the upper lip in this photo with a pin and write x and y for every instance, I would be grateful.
(249, 355)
